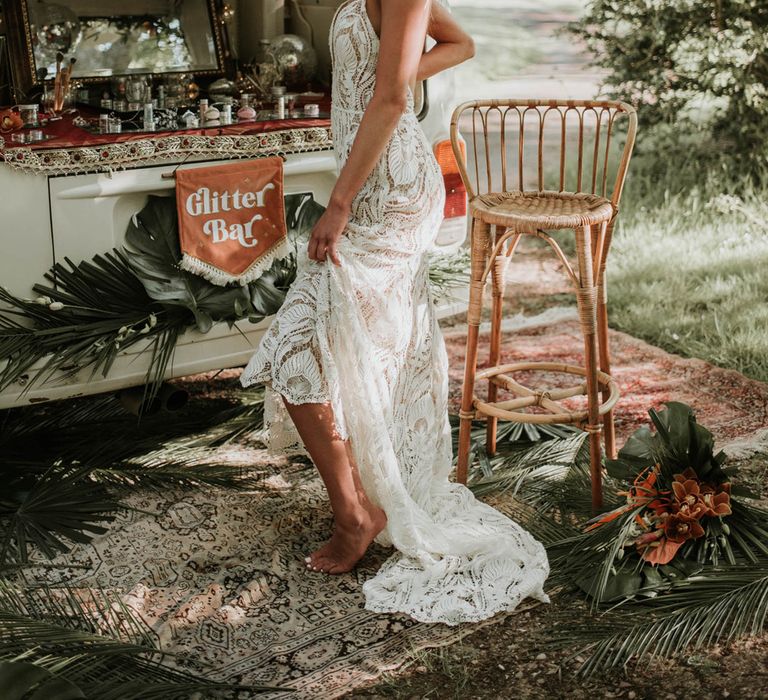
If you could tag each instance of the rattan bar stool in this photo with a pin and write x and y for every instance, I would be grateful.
(513, 149)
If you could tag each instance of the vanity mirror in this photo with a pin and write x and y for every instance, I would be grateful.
(114, 37)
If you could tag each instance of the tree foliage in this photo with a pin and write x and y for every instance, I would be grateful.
(697, 71)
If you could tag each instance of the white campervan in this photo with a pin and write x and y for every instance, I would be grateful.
(72, 202)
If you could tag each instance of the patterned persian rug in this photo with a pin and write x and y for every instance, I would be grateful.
(219, 577)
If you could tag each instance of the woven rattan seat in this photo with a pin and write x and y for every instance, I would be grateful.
(530, 211)
(504, 170)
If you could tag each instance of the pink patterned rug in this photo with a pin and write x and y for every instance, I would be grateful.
(726, 402)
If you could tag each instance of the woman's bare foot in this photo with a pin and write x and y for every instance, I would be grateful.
(348, 542)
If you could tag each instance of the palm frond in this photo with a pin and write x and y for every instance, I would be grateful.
(22, 679)
(61, 506)
(157, 473)
(700, 611)
(516, 465)
(91, 639)
(88, 609)
(51, 418)
(542, 526)
(121, 453)
(72, 326)
(102, 667)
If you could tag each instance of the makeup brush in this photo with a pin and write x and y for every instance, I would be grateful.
(57, 83)
(65, 79)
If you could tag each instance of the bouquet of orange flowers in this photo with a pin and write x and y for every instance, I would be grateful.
(677, 513)
(673, 516)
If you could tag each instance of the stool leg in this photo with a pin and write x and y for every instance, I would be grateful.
(479, 254)
(609, 431)
(587, 303)
(495, 346)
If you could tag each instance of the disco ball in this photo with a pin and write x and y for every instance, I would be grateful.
(295, 58)
(56, 27)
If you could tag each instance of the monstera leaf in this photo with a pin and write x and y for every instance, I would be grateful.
(679, 442)
(301, 214)
(152, 247)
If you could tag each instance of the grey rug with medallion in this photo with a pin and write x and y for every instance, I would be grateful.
(218, 575)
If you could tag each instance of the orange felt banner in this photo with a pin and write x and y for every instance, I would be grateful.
(231, 219)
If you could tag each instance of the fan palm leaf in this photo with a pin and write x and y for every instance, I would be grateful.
(63, 505)
(72, 328)
(88, 609)
(91, 639)
(101, 666)
(713, 607)
(22, 680)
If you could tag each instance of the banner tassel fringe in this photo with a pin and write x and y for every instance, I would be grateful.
(216, 276)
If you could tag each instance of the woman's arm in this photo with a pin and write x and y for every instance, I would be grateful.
(453, 45)
(403, 32)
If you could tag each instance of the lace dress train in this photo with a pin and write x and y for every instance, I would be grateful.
(365, 338)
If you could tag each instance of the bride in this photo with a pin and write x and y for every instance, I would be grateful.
(354, 364)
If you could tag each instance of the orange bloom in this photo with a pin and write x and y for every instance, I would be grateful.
(686, 491)
(642, 492)
(688, 473)
(679, 528)
(661, 552)
(717, 504)
(694, 510)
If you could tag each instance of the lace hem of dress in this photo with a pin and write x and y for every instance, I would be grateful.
(466, 604)
(279, 433)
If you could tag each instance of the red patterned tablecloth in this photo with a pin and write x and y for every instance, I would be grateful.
(66, 135)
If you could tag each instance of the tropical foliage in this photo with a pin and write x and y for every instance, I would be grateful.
(66, 469)
(680, 558)
(91, 311)
(67, 465)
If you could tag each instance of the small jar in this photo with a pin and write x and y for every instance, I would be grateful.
(190, 120)
(28, 114)
(212, 117)
(246, 113)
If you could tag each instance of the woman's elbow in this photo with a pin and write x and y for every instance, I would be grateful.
(393, 102)
(469, 48)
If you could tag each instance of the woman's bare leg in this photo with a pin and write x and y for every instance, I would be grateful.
(356, 519)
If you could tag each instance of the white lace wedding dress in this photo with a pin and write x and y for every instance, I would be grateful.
(365, 337)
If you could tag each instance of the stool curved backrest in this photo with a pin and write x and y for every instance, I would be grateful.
(530, 145)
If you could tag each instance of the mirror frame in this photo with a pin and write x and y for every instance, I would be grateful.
(22, 59)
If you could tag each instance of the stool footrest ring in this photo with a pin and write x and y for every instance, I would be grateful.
(556, 413)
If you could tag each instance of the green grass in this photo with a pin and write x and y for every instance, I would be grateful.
(688, 270)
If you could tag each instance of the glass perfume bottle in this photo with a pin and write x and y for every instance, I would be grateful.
(246, 112)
